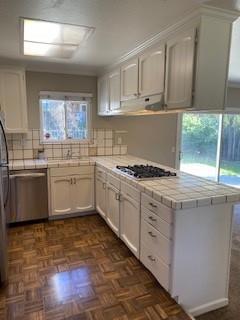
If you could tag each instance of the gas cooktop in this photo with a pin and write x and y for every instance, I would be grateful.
(143, 172)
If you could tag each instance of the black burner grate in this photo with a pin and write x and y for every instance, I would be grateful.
(145, 171)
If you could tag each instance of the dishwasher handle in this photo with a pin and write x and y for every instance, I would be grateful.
(27, 175)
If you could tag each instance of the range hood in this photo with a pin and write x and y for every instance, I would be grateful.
(142, 106)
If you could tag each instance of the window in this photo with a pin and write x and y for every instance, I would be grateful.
(64, 117)
(210, 146)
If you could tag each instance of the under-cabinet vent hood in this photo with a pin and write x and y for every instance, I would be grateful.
(141, 106)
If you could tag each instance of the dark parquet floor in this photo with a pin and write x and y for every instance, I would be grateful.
(232, 311)
(77, 269)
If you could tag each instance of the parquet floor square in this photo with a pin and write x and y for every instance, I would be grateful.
(77, 269)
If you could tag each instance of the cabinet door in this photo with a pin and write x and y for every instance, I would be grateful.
(101, 197)
(113, 208)
(61, 202)
(151, 71)
(129, 80)
(13, 99)
(130, 223)
(180, 70)
(114, 90)
(103, 95)
(82, 194)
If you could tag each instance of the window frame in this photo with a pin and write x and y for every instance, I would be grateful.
(62, 96)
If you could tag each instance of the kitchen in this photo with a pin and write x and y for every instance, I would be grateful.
(96, 220)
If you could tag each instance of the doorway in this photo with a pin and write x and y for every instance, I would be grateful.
(210, 146)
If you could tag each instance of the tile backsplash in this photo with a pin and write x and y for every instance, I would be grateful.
(26, 146)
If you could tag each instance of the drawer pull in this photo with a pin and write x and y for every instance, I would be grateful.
(152, 219)
(104, 185)
(152, 205)
(151, 234)
(151, 258)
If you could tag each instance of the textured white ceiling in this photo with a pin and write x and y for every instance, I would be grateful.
(120, 26)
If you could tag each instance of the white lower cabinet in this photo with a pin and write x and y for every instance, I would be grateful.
(179, 247)
(113, 208)
(156, 265)
(83, 193)
(119, 204)
(156, 239)
(130, 222)
(60, 195)
(101, 197)
(71, 192)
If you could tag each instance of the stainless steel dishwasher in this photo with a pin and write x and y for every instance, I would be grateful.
(28, 195)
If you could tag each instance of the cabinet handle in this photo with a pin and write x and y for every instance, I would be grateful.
(152, 205)
(104, 185)
(117, 196)
(71, 182)
(151, 234)
(151, 258)
(152, 219)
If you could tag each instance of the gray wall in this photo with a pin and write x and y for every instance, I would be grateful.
(233, 97)
(151, 137)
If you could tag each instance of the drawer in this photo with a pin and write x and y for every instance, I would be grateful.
(130, 191)
(66, 171)
(157, 222)
(159, 244)
(101, 173)
(162, 211)
(154, 264)
(115, 182)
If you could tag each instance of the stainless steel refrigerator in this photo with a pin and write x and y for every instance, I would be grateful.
(4, 190)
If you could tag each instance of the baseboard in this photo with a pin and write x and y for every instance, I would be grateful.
(208, 307)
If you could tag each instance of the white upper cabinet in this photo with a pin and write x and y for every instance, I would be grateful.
(114, 90)
(13, 99)
(151, 71)
(187, 69)
(213, 57)
(180, 70)
(129, 80)
(103, 95)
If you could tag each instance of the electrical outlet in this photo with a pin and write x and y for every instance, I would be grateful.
(119, 140)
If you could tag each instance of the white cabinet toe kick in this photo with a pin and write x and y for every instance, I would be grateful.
(187, 250)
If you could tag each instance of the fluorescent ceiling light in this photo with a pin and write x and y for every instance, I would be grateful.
(50, 39)
(48, 50)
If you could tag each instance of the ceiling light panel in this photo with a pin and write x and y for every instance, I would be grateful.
(48, 50)
(44, 38)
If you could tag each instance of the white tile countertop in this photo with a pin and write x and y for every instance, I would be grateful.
(181, 192)
(36, 163)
